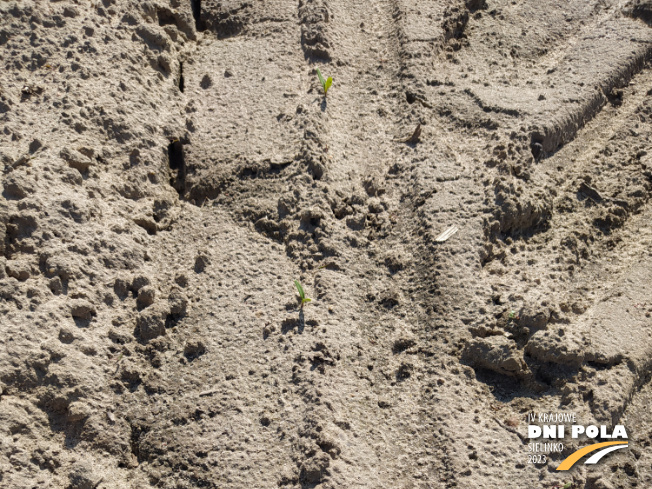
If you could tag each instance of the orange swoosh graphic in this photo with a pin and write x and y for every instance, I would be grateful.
(575, 456)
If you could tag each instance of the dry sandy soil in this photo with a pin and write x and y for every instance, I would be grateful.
(170, 167)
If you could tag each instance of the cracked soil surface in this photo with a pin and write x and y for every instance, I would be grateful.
(170, 167)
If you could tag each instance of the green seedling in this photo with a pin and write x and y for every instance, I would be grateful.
(326, 84)
(512, 316)
(302, 294)
(568, 485)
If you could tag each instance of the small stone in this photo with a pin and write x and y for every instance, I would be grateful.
(17, 188)
(578, 308)
(178, 301)
(75, 159)
(146, 296)
(150, 323)
(121, 287)
(118, 336)
(206, 82)
(201, 262)
(496, 353)
(384, 403)
(18, 270)
(78, 411)
(70, 12)
(66, 336)
(81, 476)
(56, 286)
(82, 309)
(395, 261)
(57, 266)
(71, 176)
(147, 223)
(533, 318)
(312, 470)
(181, 280)
(590, 192)
(403, 342)
(139, 282)
(35, 145)
(357, 223)
(86, 151)
(404, 371)
(194, 349)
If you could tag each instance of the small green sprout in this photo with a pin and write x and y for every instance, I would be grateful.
(302, 294)
(326, 84)
(568, 485)
(512, 316)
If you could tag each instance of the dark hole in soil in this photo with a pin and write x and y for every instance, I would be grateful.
(537, 149)
(195, 5)
(276, 168)
(182, 81)
(171, 320)
(410, 97)
(177, 162)
(165, 17)
(134, 440)
(147, 225)
(615, 97)
(248, 172)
